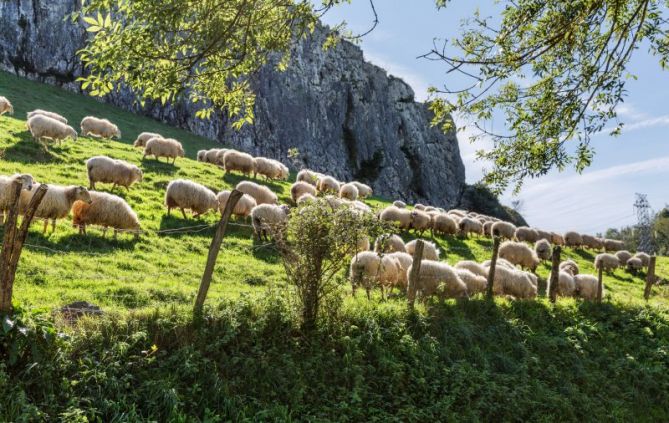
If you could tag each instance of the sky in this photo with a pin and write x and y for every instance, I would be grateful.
(590, 202)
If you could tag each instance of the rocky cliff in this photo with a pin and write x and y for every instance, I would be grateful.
(346, 117)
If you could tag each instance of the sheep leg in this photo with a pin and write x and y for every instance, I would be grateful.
(169, 210)
(369, 293)
(53, 225)
(115, 234)
(46, 225)
(104, 231)
(183, 212)
(113, 186)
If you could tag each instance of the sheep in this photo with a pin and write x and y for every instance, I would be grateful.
(419, 206)
(475, 283)
(526, 234)
(405, 261)
(52, 115)
(430, 251)
(284, 172)
(106, 210)
(421, 221)
(364, 269)
(364, 190)
(96, 127)
(440, 279)
(359, 205)
(261, 193)
(348, 191)
(503, 230)
(469, 225)
(543, 249)
(543, 235)
(41, 126)
(586, 287)
(557, 239)
(570, 266)
(592, 242)
(500, 262)
(403, 217)
(388, 275)
(399, 204)
(613, 245)
(487, 228)
(444, 224)
(305, 198)
(145, 136)
(308, 176)
(268, 218)
(335, 202)
(6, 106)
(237, 161)
(388, 243)
(634, 264)
(185, 194)
(607, 262)
(117, 172)
(327, 184)
(244, 205)
(459, 213)
(214, 156)
(163, 147)
(56, 203)
(472, 266)
(573, 239)
(7, 192)
(513, 282)
(645, 258)
(362, 244)
(623, 256)
(566, 286)
(300, 188)
(519, 253)
(266, 167)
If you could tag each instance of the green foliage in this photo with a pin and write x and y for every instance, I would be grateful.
(555, 70)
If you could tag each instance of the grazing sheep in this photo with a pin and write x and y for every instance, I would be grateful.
(419, 206)
(613, 245)
(56, 203)
(526, 234)
(201, 155)
(503, 230)
(244, 205)
(514, 282)
(265, 167)
(573, 239)
(592, 242)
(500, 262)
(300, 188)
(405, 261)
(566, 285)
(348, 191)
(268, 218)
(475, 283)
(645, 258)
(237, 161)
(364, 270)
(389, 243)
(106, 210)
(327, 184)
(308, 176)
(399, 204)
(421, 221)
(41, 127)
(543, 249)
(52, 115)
(335, 202)
(388, 276)
(444, 224)
(163, 147)
(430, 251)
(440, 279)
(184, 194)
(107, 170)
(7, 193)
(474, 267)
(459, 213)
(284, 172)
(634, 264)
(359, 205)
(96, 127)
(364, 190)
(146, 136)
(6, 106)
(543, 235)
(586, 287)
(261, 193)
(519, 253)
(570, 266)
(305, 198)
(403, 217)
(557, 239)
(214, 156)
(469, 225)
(487, 228)
(606, 262)
(623, 256)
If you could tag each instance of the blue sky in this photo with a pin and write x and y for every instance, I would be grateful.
(600, 197)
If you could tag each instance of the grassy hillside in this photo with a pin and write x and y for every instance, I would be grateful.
(371, 360)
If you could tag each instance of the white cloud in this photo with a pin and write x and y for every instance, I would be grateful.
(416, 81)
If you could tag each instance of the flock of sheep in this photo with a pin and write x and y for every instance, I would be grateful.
(386, 266)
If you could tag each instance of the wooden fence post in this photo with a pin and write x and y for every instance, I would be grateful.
(650, 278)
(600, 283)
(214, 249)
(12, 243)
(415, 272)
(555, 273)
(493, 264)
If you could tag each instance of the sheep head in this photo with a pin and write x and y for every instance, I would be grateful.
(82, 194)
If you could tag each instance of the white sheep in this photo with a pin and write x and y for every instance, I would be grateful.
(163, 147)
(388, 276)
(305, 198)
(261, 193)
(573, 239)
(514, 282)
(475, 283)
(389, 243)
(97, 127)
(359, 205)
(587, 286)
(268, 219)
(590, 241)
(300, 188)
(308, 176)
(421, 221)
(326, 184)
(503, 230)
(440, 279)
(6, 106)
(46, 113)
(419, 206)
(283, 171)
(405, 261)
(402, 217)
(468, 225)
(557, 239)
(56, 203)
(42, 127)
(613, 245)
(526, 234)
(634, 264)
(265, 167)
(606, 262)
(106, 210)
(519, 253)
(348, 191)
(117, 172)
(364, 190)
(543, 235)
(215, 156)
(623, 256)
(244, 205)
(184, 194)
(500, 262)
(201, 156)
(364, 269)
(238, 161)
(543, 249)
(7, 191)
(645, 258)
(444, 224)
(566, 286)
(399, 204)
(430, 251)
(144, 137)
(570, 266)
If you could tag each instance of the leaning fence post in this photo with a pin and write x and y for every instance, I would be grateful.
(493, 264)
(415, 272)
(555, 274)
(214, 249)
(650, 278)
(600, 283)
